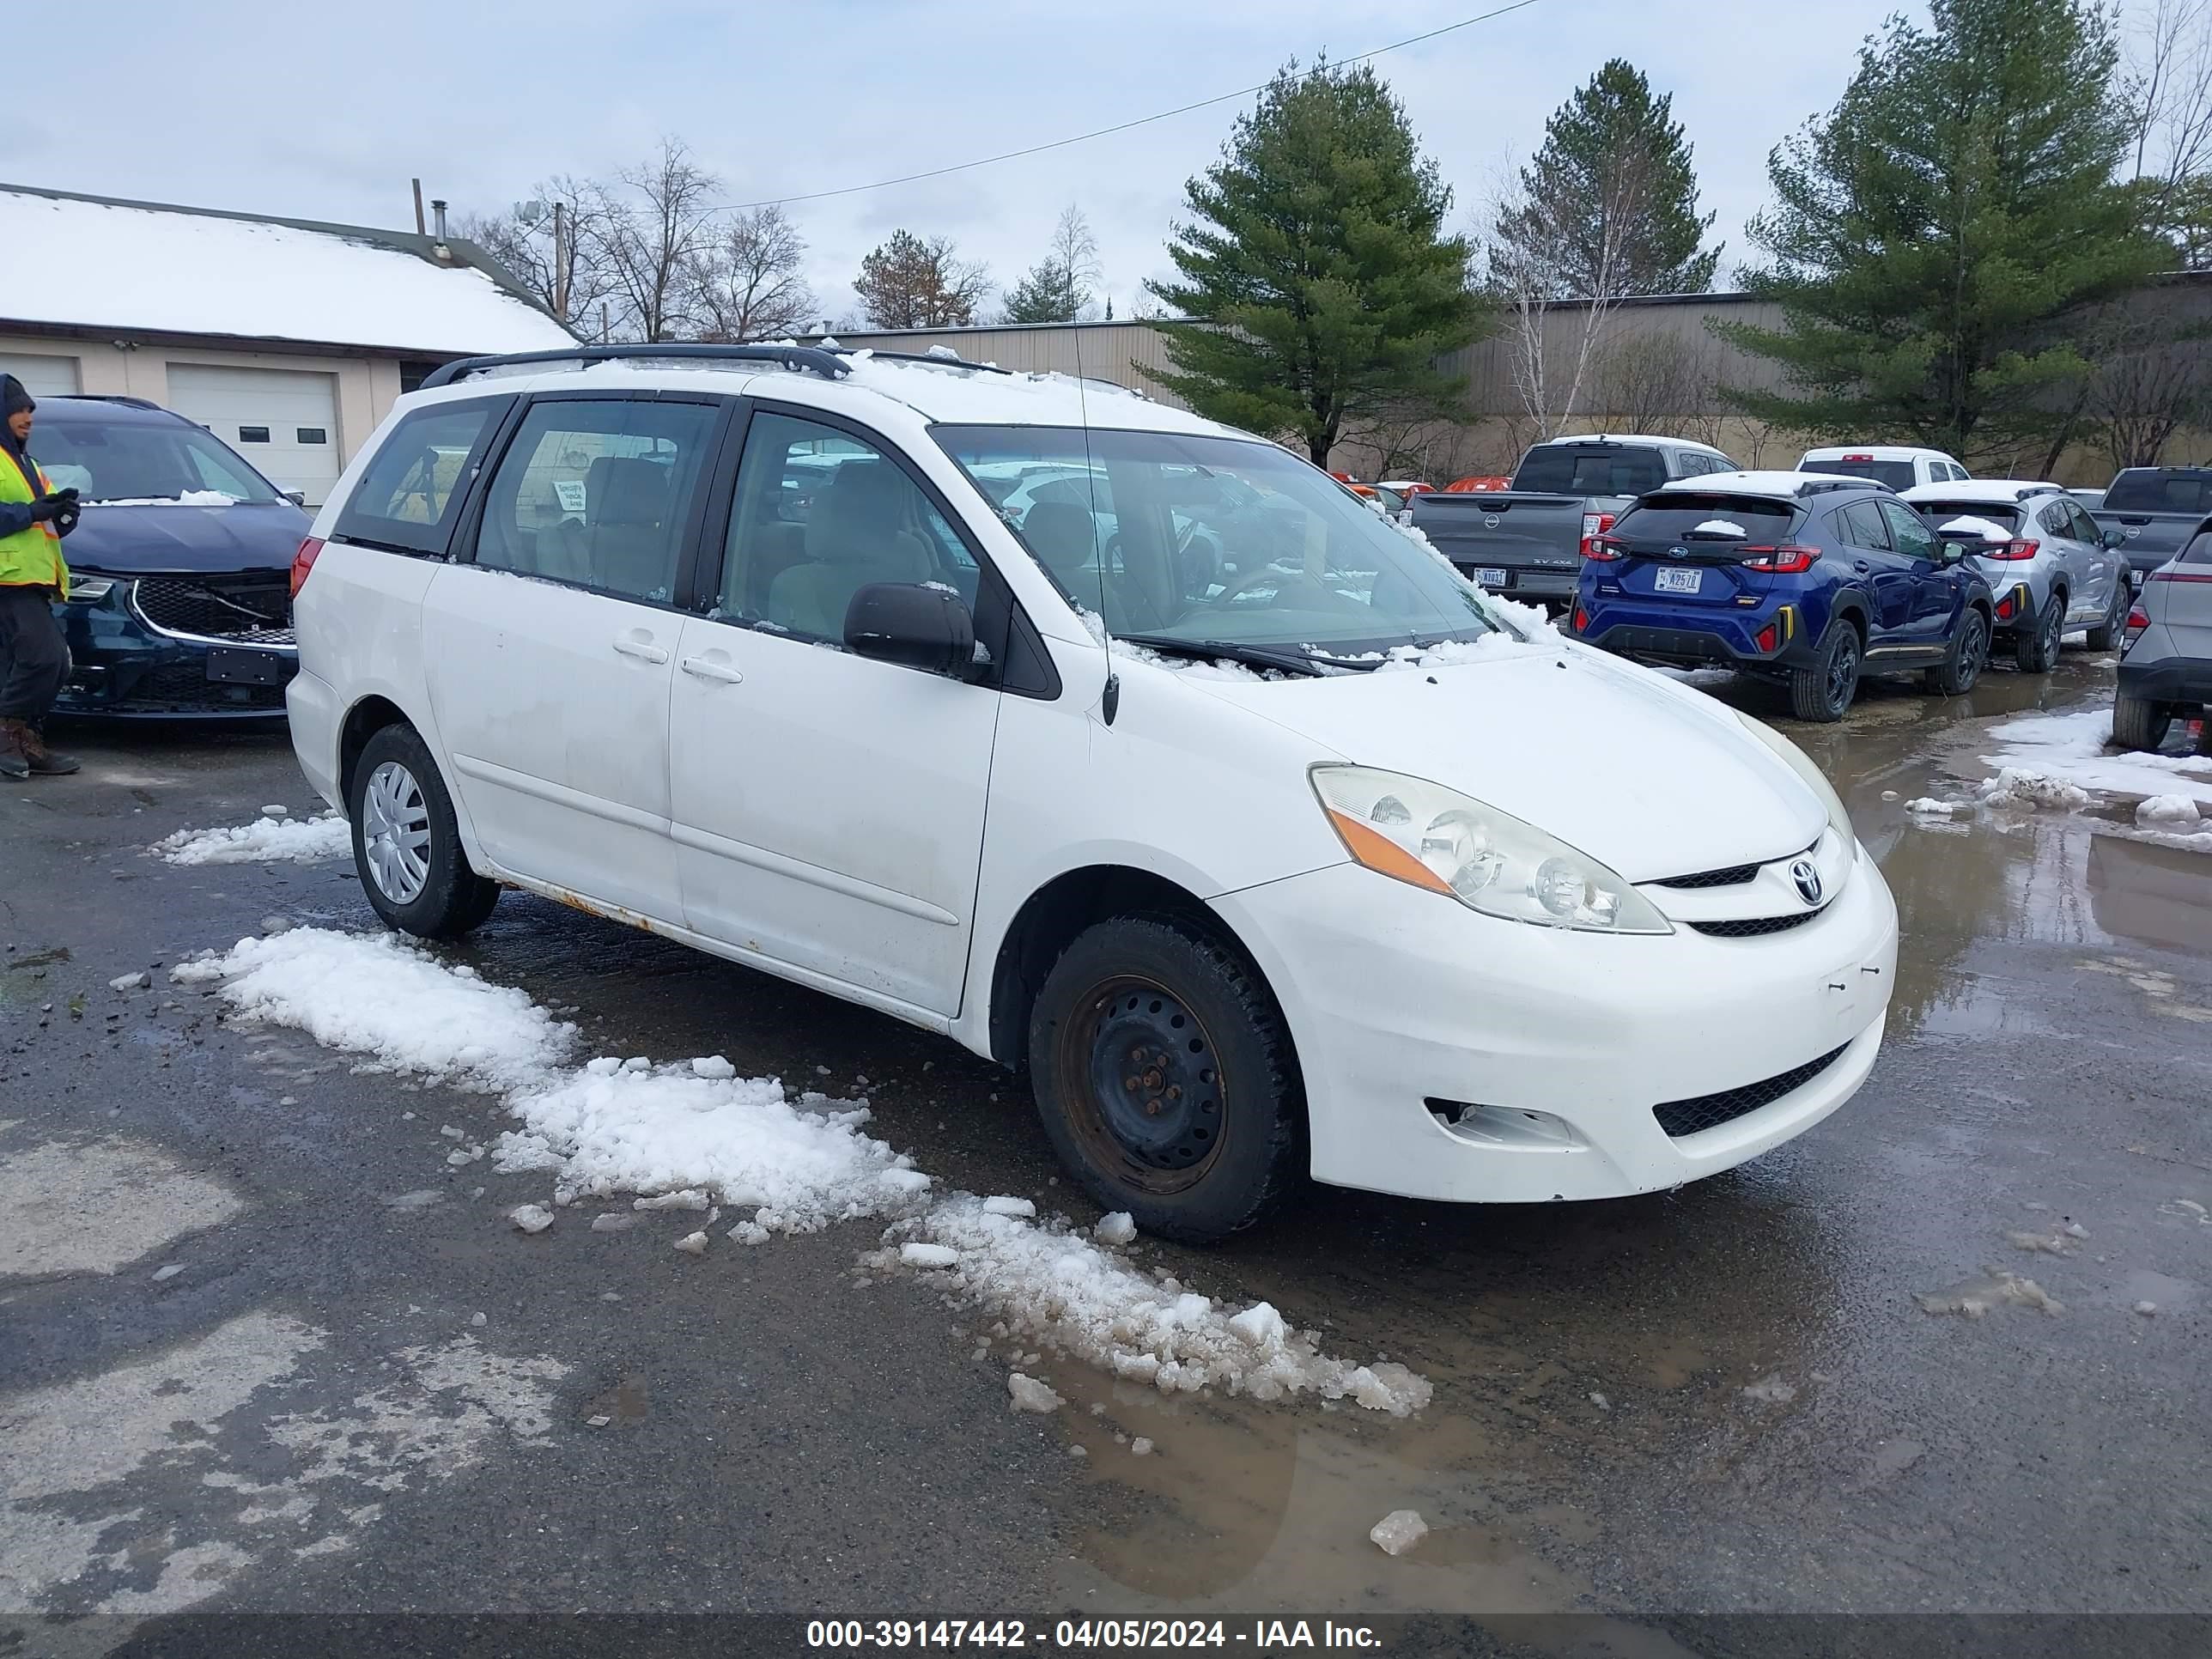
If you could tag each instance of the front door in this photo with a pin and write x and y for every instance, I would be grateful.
(1888, 578)
(1938, 589)
(552, 652)
(828, 808)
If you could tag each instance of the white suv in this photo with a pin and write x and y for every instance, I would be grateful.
(1203, 791)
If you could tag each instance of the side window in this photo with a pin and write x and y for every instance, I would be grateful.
(1862, 526)
(597, 493)
(2199, 550)
(1908, 533)
(2084, 527)
(411, 490)
(819, 515)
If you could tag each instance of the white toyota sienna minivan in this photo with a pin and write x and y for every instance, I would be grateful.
(1107, 740)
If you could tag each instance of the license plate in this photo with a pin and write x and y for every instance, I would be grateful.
(232, 665)
(1678, 581)
(1488, 575)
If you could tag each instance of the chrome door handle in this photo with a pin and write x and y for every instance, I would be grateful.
(706, 668)
(643, 650)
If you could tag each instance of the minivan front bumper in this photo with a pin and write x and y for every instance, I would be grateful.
(1450, 1055)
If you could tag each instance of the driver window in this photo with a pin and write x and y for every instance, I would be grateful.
(1912, 538)
(820, 514)
(1861, 525)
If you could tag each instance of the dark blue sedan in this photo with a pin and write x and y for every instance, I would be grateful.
(180, 602)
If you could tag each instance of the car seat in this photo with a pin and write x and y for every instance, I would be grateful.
(625, 497)
(858, 532)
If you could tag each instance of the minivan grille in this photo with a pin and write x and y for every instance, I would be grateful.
(1687, 1118)
(1753, 926)
(252, 611)
(1734, 876)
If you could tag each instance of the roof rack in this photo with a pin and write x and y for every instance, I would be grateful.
(808, 359)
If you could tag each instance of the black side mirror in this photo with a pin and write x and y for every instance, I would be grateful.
(2114, 538)
(914, 625)
(297, 497)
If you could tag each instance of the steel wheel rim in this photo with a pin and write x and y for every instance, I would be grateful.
(1142, 1078)
(395, 833)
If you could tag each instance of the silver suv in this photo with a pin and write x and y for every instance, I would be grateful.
(2052, 570)
(2167, 670)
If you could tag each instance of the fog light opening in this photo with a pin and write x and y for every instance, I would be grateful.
(1504, 1127)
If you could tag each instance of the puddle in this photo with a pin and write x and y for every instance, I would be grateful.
(2154, 895)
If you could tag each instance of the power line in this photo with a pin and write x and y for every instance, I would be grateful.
(1105, 132)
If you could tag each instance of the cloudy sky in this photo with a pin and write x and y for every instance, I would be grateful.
(326, 112)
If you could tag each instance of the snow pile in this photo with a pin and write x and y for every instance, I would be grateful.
(1719, 527)
(2168, 812)
(1928, 807)
(189, 498)
(267, 839)
(2076, 748)
(1398, 1531)
(693, 1134)
(1981, 529)
(1056, 1288)
(2018, 786)
(378, 995)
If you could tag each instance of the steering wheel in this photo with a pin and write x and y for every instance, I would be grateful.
(1298, 579)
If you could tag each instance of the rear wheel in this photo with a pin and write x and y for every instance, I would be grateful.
(2112, 634)
(1970, 650)
(2138, 723)
(1165, 1079)
(2036, 650)
(407, 843)
(1823, 689)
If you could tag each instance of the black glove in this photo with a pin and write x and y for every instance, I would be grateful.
(66, 514)
(41, 511)
(63, 497)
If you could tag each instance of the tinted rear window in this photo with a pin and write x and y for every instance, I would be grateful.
(1939, 513)
(1672, 516)
(1898, 475)
(1569, 469)
(2199, 550)
(414, 485)
(2142, 490)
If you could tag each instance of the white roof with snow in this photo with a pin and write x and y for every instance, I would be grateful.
(2002, 490)
(149, 268)
(1788, 484)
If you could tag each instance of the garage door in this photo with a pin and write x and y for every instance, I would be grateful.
(284, 420)
(42, 376)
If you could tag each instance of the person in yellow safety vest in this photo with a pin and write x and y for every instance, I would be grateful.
(34, 658)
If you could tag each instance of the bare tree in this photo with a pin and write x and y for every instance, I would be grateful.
(749, 283)
(2170, 83)
(550, 244)
(654, 228)
(910, 282)
(1661, 384)
(2146, 380)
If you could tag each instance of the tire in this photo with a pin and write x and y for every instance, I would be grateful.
(2036, 652)
(2112, 634)
(1152, 1006)
(1823, 690)
(1969, 653)
(407, 844)
(2138, 723)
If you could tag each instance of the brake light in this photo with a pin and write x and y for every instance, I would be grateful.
(1787, 559)
(2008, 552)
(1594, 526)
(1767, 637)
(1582, 619)
(303, 562)
(2178, 576)
(2137, 617)
(1602, 547)
(1858, 457)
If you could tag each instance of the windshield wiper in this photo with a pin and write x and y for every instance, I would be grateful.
(1287, 661)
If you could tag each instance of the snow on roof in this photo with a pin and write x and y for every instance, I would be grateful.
(2005, 491)
(967, 396)
(157, 269)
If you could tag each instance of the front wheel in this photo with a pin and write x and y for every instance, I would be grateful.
(2111, 633)
(2138, 723)
(1822, 691)
(2036, 651)
(407, 843)
(1969, 649)
(1165, 1079)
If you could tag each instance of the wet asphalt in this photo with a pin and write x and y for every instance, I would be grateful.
(1728, 1399)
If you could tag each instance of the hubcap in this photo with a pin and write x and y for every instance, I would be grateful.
(395, 833)
(1147, 1085)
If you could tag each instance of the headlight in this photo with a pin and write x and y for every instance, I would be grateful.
(1802, 764)
(1433, 838)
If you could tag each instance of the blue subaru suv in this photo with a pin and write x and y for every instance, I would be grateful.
(180, 601)
(1798, 578)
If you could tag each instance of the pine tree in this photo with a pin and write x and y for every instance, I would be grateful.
(1609, 208)
(1317, 287)
(908, 283)
(1941, 239)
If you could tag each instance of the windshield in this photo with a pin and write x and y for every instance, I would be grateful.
(1194, 540)
(1898, 475)
(141, 460)
(1590, 470)
(2143, 489)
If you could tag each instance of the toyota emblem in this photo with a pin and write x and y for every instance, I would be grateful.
(1808, 879)
(1490, 521)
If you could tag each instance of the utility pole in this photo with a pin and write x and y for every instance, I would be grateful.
(559, 263)
(420, 229)
(602, 322)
